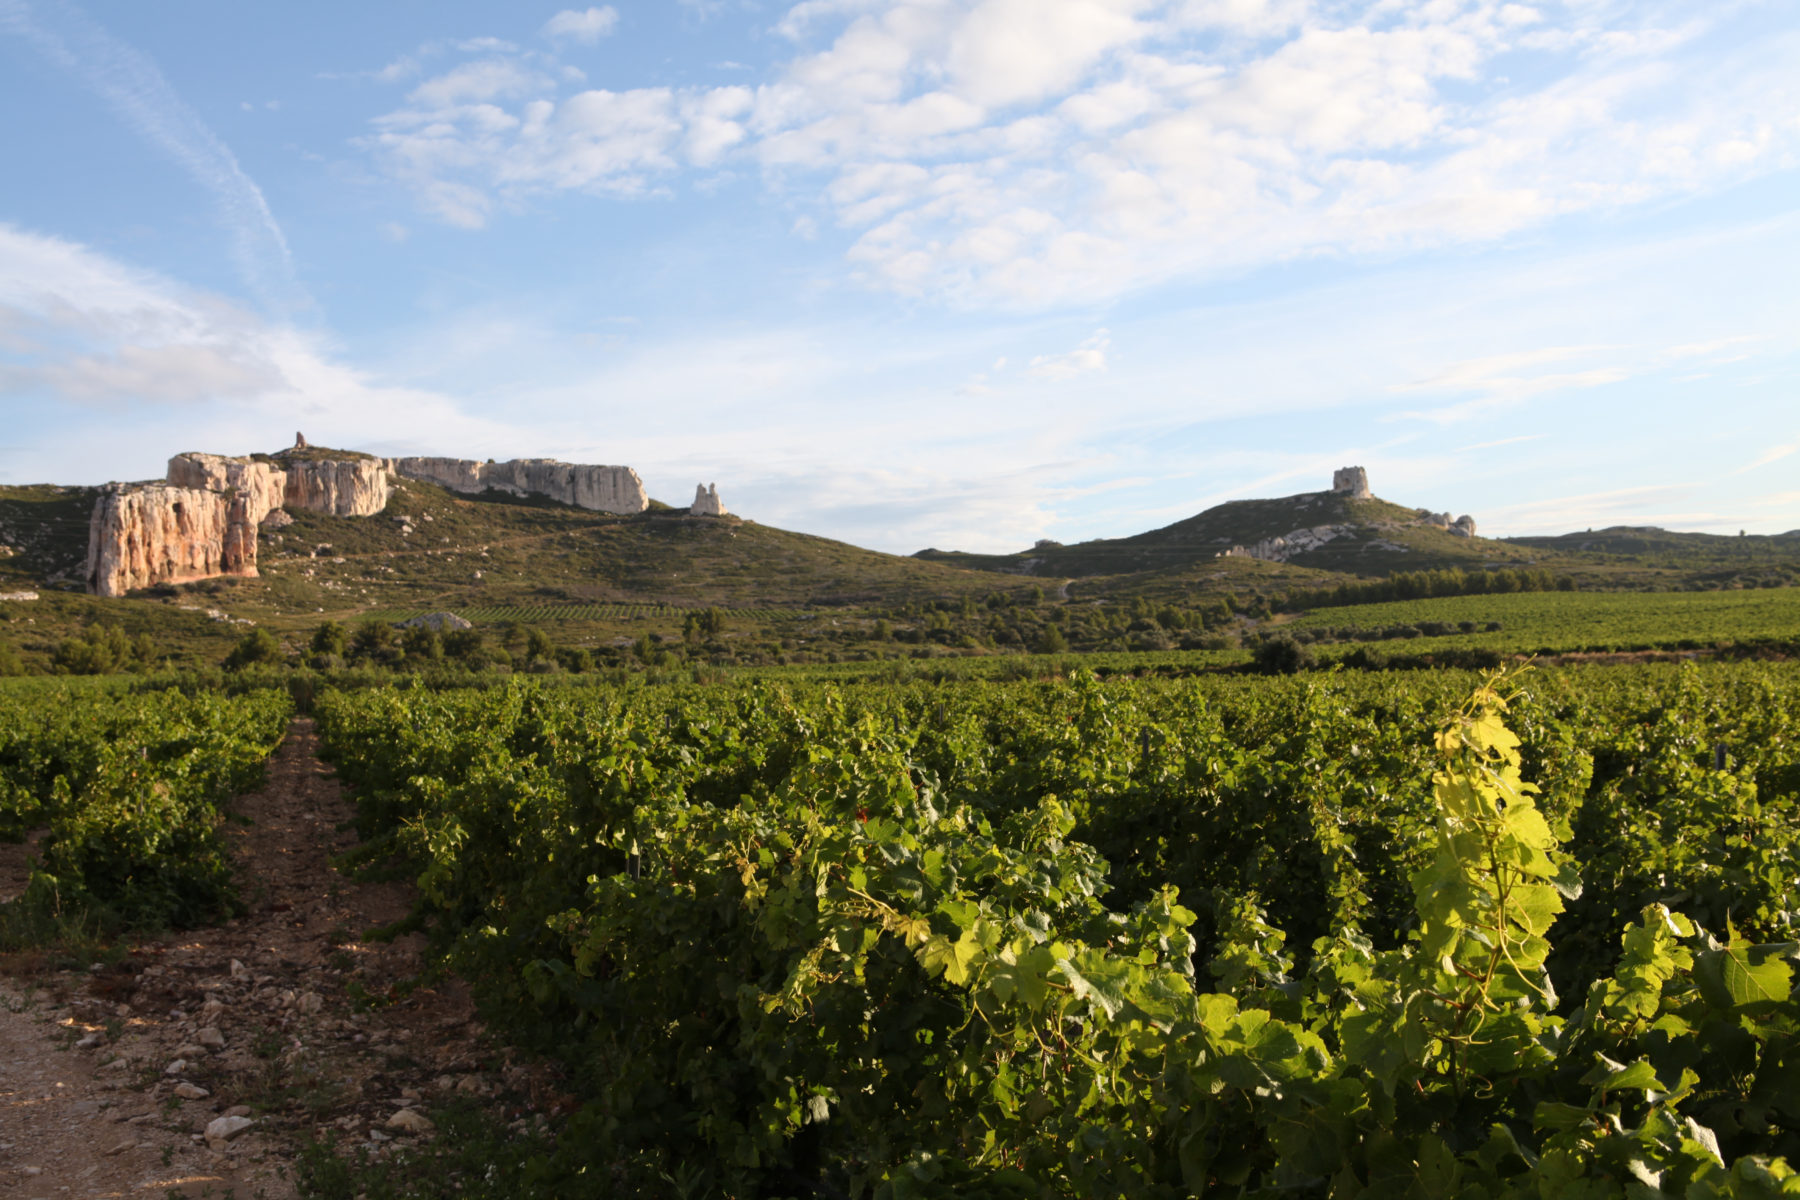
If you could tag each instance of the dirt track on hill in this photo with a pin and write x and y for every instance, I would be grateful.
(109, 1078)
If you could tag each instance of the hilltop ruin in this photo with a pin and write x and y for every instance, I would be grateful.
(1345, 481)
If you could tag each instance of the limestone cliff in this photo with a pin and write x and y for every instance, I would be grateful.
(142, 534)
(203, 521)
(263, 485)
(344, 487)
(599, 488)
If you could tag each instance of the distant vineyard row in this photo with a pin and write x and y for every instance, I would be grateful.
(1558, 622)
(538, 613)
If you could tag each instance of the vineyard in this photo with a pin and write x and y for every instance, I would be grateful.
(1555, 622)
(1358, 936)
(129, 792)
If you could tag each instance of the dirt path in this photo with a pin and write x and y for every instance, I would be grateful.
(111, 1079)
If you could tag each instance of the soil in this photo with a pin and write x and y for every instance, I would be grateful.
(110, 1077)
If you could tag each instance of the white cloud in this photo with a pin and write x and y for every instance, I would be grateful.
(478, 82)
(1498, 442)
(1030, 152)
(586, 26)
(1772, 455)
(1501, 374)
(85, 330)
(1089, 356)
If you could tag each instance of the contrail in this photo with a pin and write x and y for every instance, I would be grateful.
(131, 83)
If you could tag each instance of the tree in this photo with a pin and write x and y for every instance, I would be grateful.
(538, 646)
(463, 644)
(703, 624)
(330, 638)
(1052, 641)
(373, 641)
(422, 644)
(257, 646)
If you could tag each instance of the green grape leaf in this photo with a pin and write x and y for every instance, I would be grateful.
(1739, 975)
(953, 960)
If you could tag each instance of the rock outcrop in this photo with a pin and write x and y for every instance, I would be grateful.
(1463, 526)
(1284, 547)
(437, 622)
(262, 484)
(706, 501)
(339, 487)
(1352, 482)
(597, 488)
(144, 534)
(203, 520)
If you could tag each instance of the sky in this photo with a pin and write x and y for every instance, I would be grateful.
(953, 273)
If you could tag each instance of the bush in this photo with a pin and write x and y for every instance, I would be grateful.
(1282, 655)
(105, 651)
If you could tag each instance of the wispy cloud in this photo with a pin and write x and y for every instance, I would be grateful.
(1089, 356)
(1645, 505)
(1710, 349)
(1773, 454)
(587, 25)
(136, 90)
(1493, 445)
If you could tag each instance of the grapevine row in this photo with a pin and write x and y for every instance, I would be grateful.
(1131, 939)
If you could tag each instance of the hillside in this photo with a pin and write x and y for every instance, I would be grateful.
(434, 548)
(1707, 558)
(605, 582)
(45, 531)
(1371, 537)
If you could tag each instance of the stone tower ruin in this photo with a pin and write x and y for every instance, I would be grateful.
(1352, 482)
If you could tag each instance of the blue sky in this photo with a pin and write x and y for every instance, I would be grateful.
(963, 273)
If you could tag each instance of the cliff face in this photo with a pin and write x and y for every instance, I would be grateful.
(356, 487)
(204, 521)
(598, 488)
(142, 534)
(263, 486)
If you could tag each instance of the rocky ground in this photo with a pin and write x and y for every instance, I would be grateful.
(200, 1063)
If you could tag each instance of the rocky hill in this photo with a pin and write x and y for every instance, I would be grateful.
(1343, 529)
(310, 533)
